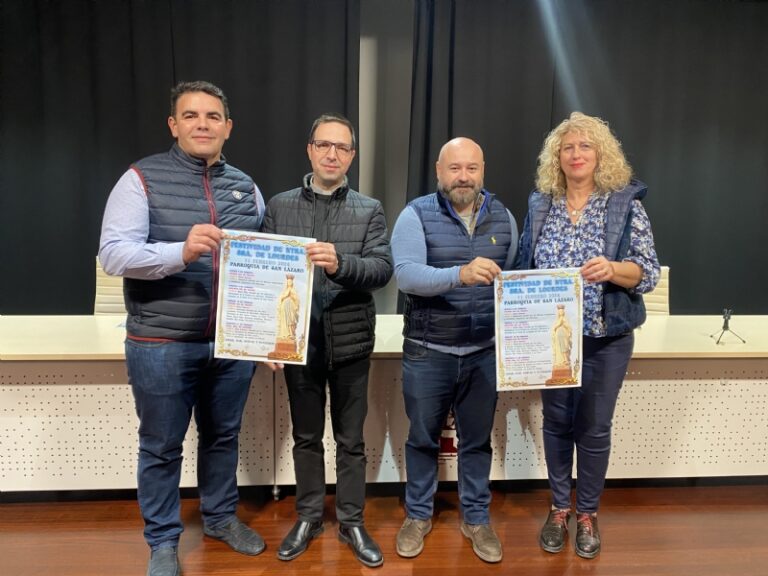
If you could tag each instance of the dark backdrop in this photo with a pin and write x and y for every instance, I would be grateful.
(683, 84)
(84, 91)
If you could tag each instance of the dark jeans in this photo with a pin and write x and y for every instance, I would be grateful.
(169, 380)
(583, 417)
(348, 387)
(433, 382)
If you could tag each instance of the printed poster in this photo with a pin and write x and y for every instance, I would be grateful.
(264, 297)
(538, 329)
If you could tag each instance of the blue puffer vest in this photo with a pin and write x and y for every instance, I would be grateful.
(463, 315)
(623, 311)
(183, 191)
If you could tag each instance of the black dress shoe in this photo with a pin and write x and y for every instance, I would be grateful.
(587, 536)
(365, 549)
(297, 540)
(552, 537)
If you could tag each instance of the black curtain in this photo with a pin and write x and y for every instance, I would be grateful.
(432, 78)
(480, 70)
(682, 84)
(84, 92)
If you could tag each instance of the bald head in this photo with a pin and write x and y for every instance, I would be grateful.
(460, 168)
(459, 147)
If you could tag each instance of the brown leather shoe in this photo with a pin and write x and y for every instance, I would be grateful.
(554, 531)
(485, 543)
(410, 537)
(587, 535)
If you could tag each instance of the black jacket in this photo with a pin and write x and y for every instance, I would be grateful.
(357, 228)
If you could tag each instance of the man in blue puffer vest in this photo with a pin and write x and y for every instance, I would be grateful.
(448, 247)
(161, 232)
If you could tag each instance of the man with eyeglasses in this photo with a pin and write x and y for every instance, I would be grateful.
(352, 258)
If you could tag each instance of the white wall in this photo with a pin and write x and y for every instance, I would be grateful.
(386, 39)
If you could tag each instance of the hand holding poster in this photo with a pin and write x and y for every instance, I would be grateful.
(264, 297)
(538, 329)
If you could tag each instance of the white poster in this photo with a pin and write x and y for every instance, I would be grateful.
(264, 297)
(538, 329)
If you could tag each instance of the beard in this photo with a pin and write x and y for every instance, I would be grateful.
(461, 194)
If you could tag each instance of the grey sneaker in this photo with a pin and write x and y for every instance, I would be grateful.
(410, 537)
(485, 543)
(164, 562)
(240, 537)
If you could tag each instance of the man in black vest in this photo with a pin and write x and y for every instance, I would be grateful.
(448, 247)
(352, 258)
(161, 232)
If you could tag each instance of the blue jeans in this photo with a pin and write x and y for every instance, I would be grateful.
(169, 380)
(582, 417)
(433, 383)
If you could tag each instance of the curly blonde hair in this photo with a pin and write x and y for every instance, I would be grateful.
(612, 173)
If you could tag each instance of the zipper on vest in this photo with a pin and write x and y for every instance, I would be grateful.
(473, 300)
(214, 256)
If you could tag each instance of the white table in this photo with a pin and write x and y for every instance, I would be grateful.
(689, 408)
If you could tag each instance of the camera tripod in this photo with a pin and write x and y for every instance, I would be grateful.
(726, 328)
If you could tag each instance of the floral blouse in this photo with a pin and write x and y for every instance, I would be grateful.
(563, 244)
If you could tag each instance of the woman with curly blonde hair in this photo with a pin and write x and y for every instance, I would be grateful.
(612, 171)
(586, 213)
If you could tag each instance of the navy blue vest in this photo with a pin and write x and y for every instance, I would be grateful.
(622, 311)
(183, 191)
(463, 315)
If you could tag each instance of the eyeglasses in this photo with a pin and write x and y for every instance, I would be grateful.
(324, 147)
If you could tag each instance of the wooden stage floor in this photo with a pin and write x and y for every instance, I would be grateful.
(683, 530)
